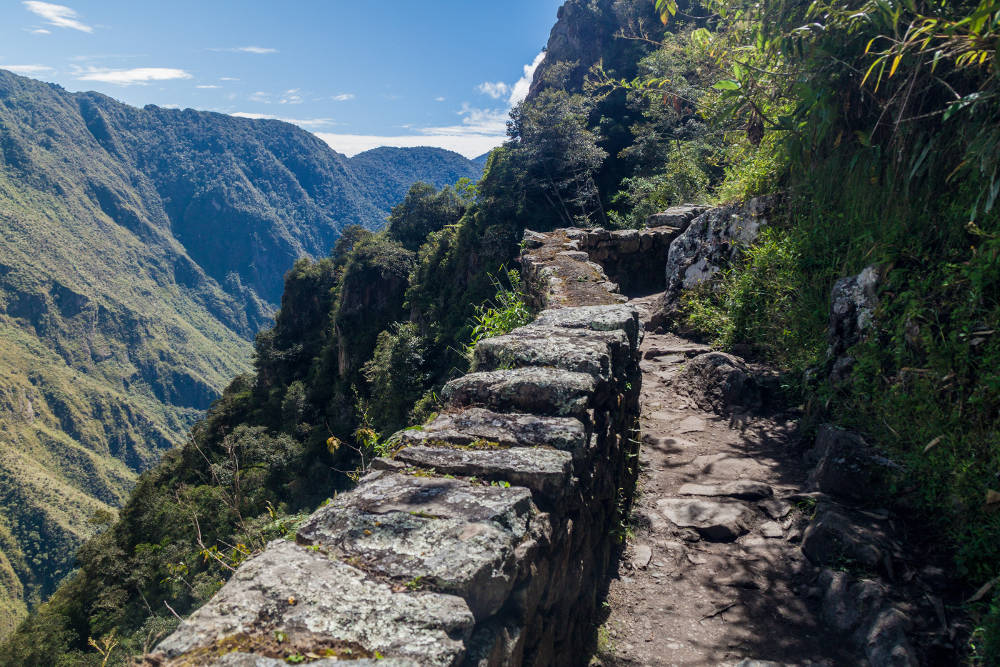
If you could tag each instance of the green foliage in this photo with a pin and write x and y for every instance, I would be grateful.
(425, 210)
(763, 301)
(396, 376)
(985, 641)
(506, 312)
(559, 154)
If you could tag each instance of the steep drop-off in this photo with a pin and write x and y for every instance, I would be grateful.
(140, 251)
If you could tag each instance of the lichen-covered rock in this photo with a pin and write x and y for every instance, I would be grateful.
(472, 425)
(539, 346)
(547, 472)
(712, 241)
(719, 382)
(289, 589)
(847, 466)
(449, 534)
(542, 391)
(596, 318)
(852, 308)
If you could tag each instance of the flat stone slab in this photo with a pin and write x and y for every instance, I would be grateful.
(744, 490)
(291, 589)
(541, 347)
(476, 425)
(253, 660)
(596, 318)
(715, 521)
(448, 534)
(544, 471)
(543, 391)
(772, 529)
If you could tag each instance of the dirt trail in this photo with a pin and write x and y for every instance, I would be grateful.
(695, 595)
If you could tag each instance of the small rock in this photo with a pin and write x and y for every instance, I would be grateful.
(771, 529)
(642, 554)
(715, 521)
(776, 509)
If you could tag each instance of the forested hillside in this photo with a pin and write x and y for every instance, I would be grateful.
(140, 251)
(875, 124)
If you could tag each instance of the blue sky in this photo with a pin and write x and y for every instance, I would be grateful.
(358, 74)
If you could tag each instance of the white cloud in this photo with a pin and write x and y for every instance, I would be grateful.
(260, 97)
(206, 87)
(60, 16)
(495, 90)
(291, 97)
(306, 123)
(128, 77)
(228, 78)
(519, 91)
(439, 99)
(343, 97)
(259, 50)
(38, 31)
(468, 145)
(27, 69)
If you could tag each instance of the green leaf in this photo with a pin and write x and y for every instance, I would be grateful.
(726, 84)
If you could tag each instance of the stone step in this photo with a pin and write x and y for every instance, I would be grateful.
(542, 391)
(292, 590)
(451, 535)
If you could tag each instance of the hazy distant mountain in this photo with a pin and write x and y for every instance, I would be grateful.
(140, 251)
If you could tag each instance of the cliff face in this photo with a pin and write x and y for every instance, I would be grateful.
(140, 252)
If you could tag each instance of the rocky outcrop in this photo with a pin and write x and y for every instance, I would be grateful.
(487, 538)
(852, 309)
(707, 245)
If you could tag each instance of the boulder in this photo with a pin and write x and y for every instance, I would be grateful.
(852, 309)
(886, 644)
(847, 466)
(719, 382)
(836, 536)
(711, 242)
(847, 603)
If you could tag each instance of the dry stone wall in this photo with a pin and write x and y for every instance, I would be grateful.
(488, 537)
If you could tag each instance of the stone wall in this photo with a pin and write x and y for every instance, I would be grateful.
(629, 261)
(488, 537)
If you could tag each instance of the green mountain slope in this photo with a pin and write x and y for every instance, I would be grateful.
(140, 251)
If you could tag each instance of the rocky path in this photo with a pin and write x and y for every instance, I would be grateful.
(713, 573)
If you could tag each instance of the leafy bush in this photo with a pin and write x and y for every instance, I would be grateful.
(506, 312)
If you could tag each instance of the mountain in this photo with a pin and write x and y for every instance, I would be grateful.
(140, 252)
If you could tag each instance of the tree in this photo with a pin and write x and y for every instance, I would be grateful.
(423, 211)
(559, 154)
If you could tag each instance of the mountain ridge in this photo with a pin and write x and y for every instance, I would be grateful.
(140, 252)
